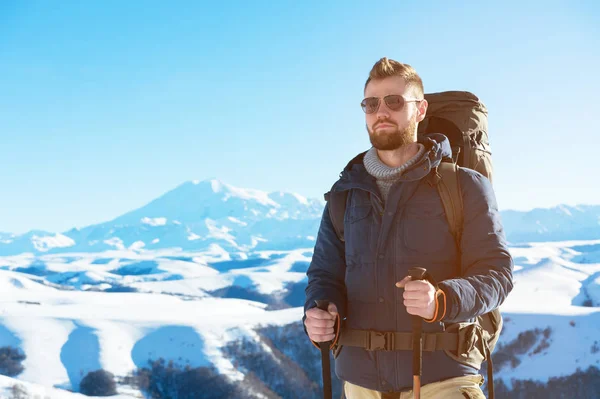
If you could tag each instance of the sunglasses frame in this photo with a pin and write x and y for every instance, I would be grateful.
(363, 105)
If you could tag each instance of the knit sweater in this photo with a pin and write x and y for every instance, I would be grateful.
(385, 175)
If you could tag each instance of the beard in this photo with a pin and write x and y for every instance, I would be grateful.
(389, 141)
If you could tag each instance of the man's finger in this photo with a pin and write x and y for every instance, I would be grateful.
(418, 285)
(414, 295)
(321, 330)
(415, 304)
(316, 313)
(332, 308)
(402, 283)
(319, 323)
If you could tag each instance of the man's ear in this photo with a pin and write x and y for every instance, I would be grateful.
(422, 110)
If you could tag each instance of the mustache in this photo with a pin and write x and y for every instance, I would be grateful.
(384, 122)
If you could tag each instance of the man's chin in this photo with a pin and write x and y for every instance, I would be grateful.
(388, 147)
(385, 146)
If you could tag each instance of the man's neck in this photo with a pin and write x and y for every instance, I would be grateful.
(398, 157)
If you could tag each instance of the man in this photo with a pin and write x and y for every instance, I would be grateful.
(394, 221)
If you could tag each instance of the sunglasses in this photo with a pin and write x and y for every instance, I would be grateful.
(395, 102)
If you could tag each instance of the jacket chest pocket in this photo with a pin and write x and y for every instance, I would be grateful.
(358, 230)
(425, 229)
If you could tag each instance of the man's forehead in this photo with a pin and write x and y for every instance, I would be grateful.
(385, 86)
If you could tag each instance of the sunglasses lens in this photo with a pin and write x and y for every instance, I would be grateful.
(394, 102)
(370, 105)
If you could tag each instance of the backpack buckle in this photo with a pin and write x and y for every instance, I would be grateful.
(377, 340)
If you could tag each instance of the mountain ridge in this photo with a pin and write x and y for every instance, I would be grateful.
(198, 214)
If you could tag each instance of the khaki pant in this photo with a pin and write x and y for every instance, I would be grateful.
(453, 388)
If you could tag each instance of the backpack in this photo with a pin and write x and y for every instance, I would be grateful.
(461, 117)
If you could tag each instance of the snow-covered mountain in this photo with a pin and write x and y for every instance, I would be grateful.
(559, 223)
(198, 215)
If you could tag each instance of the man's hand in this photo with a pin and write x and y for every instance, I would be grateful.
(419, 297)
(319, 323)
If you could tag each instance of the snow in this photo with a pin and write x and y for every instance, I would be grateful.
(69, 333)
(178, 218)
(237, 221)
(33, 390)
(193, 236)
(262, 197)
(52, 307)
(137, 245)
(46, 243)
(547, 286)
(154, 221)
(565, 210)
(230, 191)
(216, 186)
(115, 242)
(301, 199)
(221, 233)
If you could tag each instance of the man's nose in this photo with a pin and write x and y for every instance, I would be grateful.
(383, 112)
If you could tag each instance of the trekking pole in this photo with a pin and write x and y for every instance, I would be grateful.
(325, 357)
(417, 273)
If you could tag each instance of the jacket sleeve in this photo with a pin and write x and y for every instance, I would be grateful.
(327, 270)
(485, 259)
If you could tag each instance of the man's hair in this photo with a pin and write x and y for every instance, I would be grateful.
(385, 68)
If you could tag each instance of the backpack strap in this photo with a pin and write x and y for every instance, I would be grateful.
(448, 187)
(337, 200)
(337, 209)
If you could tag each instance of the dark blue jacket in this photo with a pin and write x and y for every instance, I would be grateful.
(383, 242)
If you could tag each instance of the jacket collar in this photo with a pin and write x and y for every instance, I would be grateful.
(355, 175)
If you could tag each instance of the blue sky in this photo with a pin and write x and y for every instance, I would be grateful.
(107, 105)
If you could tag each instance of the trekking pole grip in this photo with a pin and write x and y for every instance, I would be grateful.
(417, 273)
(322, 304)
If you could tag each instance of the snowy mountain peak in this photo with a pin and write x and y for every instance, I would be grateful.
(283, 197)
(217, 185)
(227, 191)
(262, 197)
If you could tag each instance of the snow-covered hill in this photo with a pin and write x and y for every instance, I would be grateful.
(193, 273)
(73, 313)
